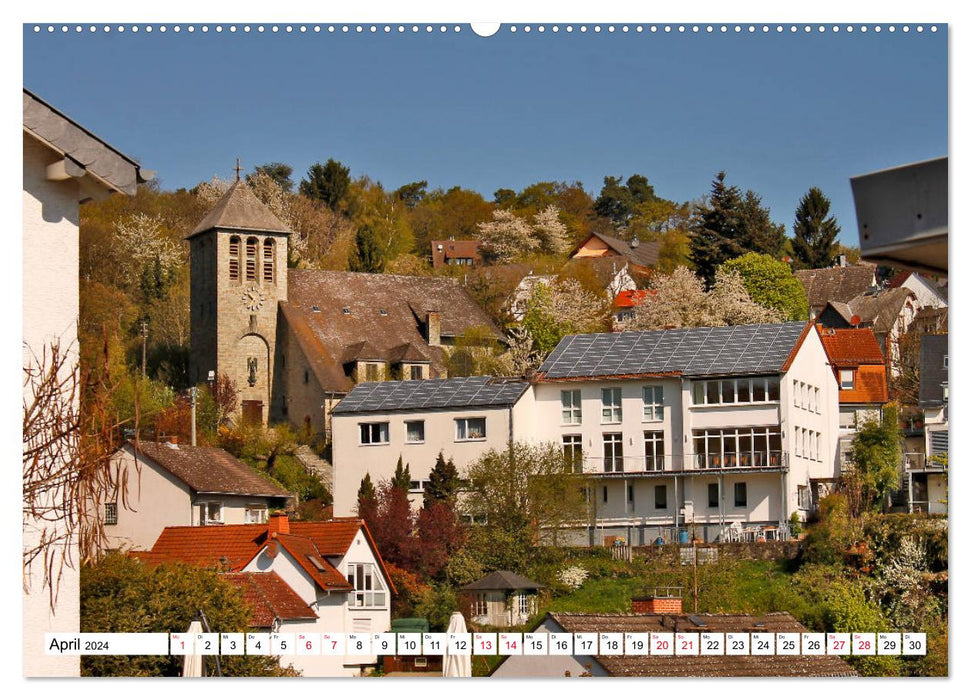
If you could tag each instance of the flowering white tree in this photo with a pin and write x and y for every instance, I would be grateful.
(679, 300)
(506, 236)
(143, 240)
(550, 231)
(562, 307)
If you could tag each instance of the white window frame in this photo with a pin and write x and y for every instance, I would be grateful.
(408, 424)
(362, 595)
(462, 429)
(653, 403)
(573, 450)
(205, 512)
(571, 409)
(653, 456)
(255, 513)
(699, 391)
(847, 383)
(611, 412)
(480, 605)
(111, 513)
(370, 437)
(616, 441)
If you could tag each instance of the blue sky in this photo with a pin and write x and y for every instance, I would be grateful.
(778, 112)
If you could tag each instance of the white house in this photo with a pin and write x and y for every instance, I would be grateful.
(167, 484)
(461, 417)
(707, 429)
(64, 165)
(927, 292)
(927, 480)
(702, 429)
(331, 579)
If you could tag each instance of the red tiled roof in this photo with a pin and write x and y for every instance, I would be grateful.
(869, 386)
(850, 347)
(630, 298)
(313, 561)
(232, 547)
(270, 598)
(442, 251)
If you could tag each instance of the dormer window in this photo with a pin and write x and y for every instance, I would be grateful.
(346, 311)
(846, 379)
(383, 312)
(315, 309)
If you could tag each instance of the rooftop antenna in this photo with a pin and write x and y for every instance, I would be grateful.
(238, 169)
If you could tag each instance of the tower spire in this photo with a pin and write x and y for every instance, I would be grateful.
(238, 169)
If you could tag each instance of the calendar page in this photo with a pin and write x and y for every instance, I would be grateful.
(609, 347)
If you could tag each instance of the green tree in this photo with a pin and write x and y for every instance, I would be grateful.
(366, 255)
(412, 194)
(443, 480)
(759, 233)
(770, 283)
(716, 235)
(875, 455)
(367, 501)
(280, 173)
(402, 476)
(814, 231)
(120, 594)
(618, 201)
(526, 488)
(327, 183)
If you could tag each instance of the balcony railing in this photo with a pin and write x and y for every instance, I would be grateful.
(640, 464)
(918, 461)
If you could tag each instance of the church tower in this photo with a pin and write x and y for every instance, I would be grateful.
(238, 274)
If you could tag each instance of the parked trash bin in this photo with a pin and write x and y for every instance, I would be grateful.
(683, 537)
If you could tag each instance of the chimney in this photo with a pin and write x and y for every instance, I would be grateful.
(278, 524)
(433, 328)
(656, 604)
(842, 261)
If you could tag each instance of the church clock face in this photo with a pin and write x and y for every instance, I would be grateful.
(253, 299)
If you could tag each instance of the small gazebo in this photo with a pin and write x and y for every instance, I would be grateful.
(501, 599)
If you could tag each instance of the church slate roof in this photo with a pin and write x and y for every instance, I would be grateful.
(430, 394)
(727, 350)
(338, 317)
(240, 209)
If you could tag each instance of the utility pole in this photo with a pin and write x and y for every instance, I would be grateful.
(192, 396)
(694, 546)
(144, 348)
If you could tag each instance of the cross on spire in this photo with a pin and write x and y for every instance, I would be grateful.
(238, 169)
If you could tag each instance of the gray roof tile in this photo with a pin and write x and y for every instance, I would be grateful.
(455, 392)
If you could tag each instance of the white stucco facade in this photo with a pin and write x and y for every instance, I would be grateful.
(155, 499)
(353, 459)
(50, 288)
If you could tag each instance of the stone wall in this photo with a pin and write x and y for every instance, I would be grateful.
(671, 553)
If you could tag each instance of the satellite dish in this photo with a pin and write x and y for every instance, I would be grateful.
(855, 321)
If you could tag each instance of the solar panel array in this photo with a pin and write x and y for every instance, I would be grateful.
(455, 392)
(726, 350)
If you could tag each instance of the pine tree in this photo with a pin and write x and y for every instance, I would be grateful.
(759, 233)
(443, 481)
(402, 476)
(814, 231)
(366, 255)
(367, 501)
(716, 234)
